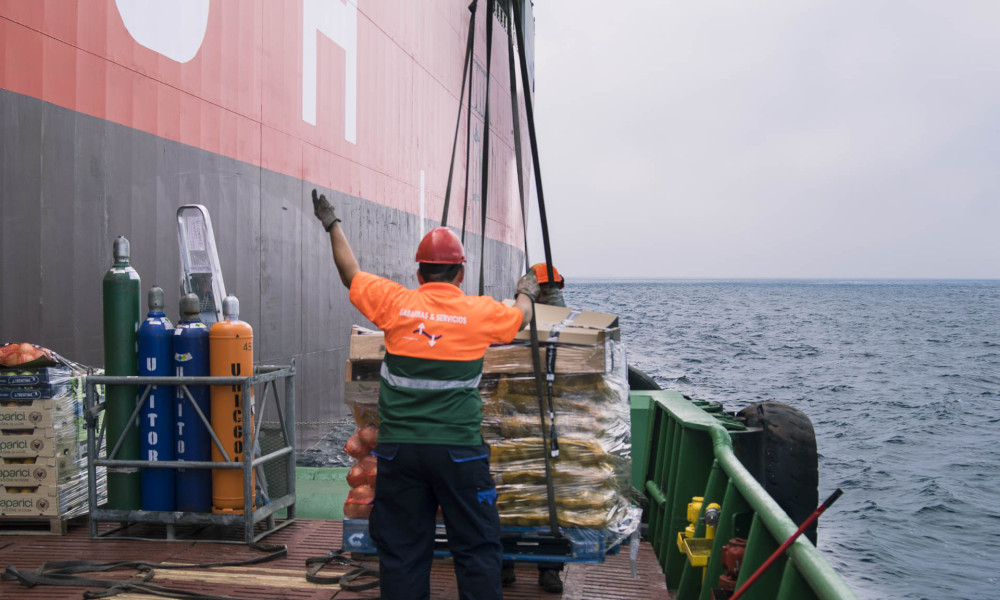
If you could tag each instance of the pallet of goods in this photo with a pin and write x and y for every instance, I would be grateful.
(584, 385)
(43, 443)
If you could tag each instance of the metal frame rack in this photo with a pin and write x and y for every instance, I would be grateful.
(265, 376)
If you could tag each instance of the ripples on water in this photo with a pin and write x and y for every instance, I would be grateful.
(902, 382)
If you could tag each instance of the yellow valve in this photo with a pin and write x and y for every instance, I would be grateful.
(694, 509)
(712, 513)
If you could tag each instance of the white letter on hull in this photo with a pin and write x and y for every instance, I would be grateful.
(338, 21)
(173, 28)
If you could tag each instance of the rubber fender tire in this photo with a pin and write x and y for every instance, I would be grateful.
(789, 458)
(639, 381)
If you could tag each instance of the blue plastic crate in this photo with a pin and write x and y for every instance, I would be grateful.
(534, 544)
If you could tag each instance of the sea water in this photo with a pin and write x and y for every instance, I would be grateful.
(901, 380)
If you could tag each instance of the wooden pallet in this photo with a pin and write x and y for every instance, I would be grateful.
(33, 525)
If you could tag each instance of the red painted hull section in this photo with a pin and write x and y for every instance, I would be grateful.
(241, 95)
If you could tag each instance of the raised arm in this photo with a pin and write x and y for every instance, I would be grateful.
(343, 256)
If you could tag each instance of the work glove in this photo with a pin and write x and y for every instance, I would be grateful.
(528, 285)
(551, 295)
(324, 211)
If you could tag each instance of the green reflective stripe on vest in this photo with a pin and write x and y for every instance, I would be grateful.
(430, 401)
(426, 368)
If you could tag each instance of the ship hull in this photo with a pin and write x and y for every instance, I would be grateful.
(101, 139)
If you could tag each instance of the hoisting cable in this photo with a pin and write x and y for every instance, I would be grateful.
(468, 121)
(530, 113)
(66, 573)
(550, 448)
(461, 96)
(516, 120)
(490, 7)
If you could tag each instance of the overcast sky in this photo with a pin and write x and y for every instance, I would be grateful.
(782, 138)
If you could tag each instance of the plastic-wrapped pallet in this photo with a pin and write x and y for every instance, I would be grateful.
(589, 397)
(43, 458)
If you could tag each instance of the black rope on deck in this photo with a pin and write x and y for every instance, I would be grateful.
(345, 580)
(66, 573)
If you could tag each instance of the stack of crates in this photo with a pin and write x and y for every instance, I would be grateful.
(43, 451)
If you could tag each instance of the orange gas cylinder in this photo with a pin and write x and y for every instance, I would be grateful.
(230, 349)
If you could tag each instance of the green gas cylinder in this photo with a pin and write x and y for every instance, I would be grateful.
(121, 298)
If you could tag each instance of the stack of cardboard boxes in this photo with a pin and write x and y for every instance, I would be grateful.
(43, 460)
(588, 394)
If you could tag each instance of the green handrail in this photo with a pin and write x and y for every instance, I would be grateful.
(810, 564)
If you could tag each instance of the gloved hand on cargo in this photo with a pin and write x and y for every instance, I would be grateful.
(528, 285)
(324, 211)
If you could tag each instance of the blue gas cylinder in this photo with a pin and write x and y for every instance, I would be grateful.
(194, 486)
(156, 422)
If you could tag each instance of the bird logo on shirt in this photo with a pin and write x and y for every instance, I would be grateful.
(432, 339)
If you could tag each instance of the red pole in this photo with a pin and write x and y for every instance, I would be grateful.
(805, 525)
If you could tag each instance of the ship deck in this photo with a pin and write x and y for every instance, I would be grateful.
(284, 578)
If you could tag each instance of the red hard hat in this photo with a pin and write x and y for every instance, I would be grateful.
(441, 247)
(542, 274)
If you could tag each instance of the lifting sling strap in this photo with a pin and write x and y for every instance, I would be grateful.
(550, 440)
(347, 581)
(549, 436)
(454, 144)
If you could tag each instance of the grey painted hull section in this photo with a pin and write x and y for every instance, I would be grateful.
(71, 183)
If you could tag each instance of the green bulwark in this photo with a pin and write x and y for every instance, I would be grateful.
(683, 449)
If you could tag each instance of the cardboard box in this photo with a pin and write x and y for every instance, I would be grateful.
(40, 413)
(570, 326)
(44, 471)
(40, 443)
(366, 344)
(44, 500)
(28, 415)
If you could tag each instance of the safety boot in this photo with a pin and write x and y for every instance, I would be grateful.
(550, 581)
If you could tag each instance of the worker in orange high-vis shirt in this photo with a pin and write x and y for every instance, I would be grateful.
(430, 450)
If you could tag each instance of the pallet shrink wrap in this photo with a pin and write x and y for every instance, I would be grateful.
(43, 440)
(591, 476)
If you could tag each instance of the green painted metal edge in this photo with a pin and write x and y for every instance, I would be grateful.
(320, 492)
(817, 572)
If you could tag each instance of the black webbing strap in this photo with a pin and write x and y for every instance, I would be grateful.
(67, 573)
(516, 118)
(345, 580)
(549, 487)
(458, 121)
(550, 444)
(530, 113)
(550, 379)
(491, 5)
(468, 130)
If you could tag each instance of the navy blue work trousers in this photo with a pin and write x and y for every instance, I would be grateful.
(412, 481)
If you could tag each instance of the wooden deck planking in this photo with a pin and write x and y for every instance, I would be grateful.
(284, 579)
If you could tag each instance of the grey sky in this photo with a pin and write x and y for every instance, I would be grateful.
(783, 138)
